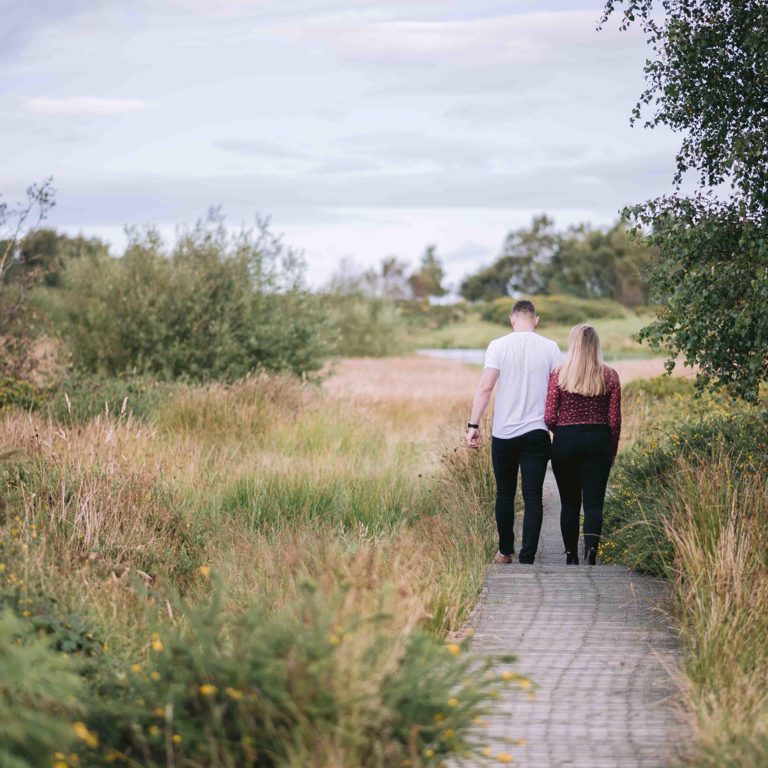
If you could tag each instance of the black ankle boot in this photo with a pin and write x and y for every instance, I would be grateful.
(591, 554)
(571, 558)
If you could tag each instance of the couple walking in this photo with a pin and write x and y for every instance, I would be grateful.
(579, 399)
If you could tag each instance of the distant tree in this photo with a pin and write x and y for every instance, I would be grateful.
(393, 280)
(16, 223)
(522, 267)
(597, 263)
(707, 79)
(428, 280)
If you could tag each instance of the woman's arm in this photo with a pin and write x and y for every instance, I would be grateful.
(614, 413)
(552, 407)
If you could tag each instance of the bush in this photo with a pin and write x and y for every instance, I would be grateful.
(38, 690)
(20, 394)
(423, 315)
(364, 326)
(638, 504)
(313, 683)
(215, 307)
(556, 310)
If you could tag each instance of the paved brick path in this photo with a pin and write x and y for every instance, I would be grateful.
(602, 654)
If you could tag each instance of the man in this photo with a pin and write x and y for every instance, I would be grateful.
(521, 362)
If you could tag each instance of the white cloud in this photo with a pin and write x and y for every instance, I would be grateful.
(517, 38)
(84, 105)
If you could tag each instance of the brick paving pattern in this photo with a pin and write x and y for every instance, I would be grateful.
(598, 646)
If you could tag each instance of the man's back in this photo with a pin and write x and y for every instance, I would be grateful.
(524, 360)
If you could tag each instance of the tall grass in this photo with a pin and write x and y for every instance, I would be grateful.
(263, 531)
(690, 502)
(718, 527)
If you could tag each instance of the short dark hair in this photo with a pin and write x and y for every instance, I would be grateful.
(524, 306)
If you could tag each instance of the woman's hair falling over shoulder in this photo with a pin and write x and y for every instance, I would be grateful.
(584, 371)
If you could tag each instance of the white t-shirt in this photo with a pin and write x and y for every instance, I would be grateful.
(525, 360)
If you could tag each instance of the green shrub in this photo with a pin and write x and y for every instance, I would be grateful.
(19, 394)
(213, 307)
(364, 326)
(556, 310)
(38, 704)
(297, 686)
(423, 315)
(638, 502)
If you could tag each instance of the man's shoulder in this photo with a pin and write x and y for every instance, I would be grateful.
(500, 340)
(547, 341)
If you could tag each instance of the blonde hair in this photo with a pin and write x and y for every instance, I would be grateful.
(584, 370)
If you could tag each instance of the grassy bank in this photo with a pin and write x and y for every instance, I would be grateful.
(260, 574)
(689, 502)
(474, 326)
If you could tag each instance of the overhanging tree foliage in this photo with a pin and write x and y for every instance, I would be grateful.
(708, 79)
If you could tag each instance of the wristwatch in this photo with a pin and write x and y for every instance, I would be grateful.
(472, 426)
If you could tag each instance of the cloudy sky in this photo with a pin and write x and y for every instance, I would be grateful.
(364, 128)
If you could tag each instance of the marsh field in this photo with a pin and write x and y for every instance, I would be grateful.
(276, 573)
(206, 566)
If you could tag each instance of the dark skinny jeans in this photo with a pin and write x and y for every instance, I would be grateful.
(581, 461)
(530, 454)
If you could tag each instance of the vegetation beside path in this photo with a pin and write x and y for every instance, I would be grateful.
(689, 502)
(255, 574)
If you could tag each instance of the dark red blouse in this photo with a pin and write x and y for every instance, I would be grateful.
(564, 408)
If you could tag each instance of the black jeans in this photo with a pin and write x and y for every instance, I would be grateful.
(581, 460)
(529, 453)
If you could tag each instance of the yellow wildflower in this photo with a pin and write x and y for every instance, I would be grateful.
(429, 753)
(176, 739)
(207, 689)
(204, 571)
(60, 764)
(439, 717)
(153, 730)
(504, 757)
(136, 668)
(453, 702)
(448, 734)
(81, 731)
(506, 675)
(487, 752)
(234, 694)
(154, 674)
(454, 649)
(334, 639)
(159, 712)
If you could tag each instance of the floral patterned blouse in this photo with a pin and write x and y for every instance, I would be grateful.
(566, 408)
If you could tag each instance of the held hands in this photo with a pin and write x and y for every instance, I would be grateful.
(473, 437)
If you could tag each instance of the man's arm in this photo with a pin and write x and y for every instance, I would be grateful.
(482, 397)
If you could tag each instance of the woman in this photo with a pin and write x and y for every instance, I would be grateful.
(584, 413)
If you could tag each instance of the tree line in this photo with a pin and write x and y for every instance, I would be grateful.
(582, 261)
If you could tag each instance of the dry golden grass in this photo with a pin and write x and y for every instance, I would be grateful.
(267, 482)
(718, 528)
(629, 370)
